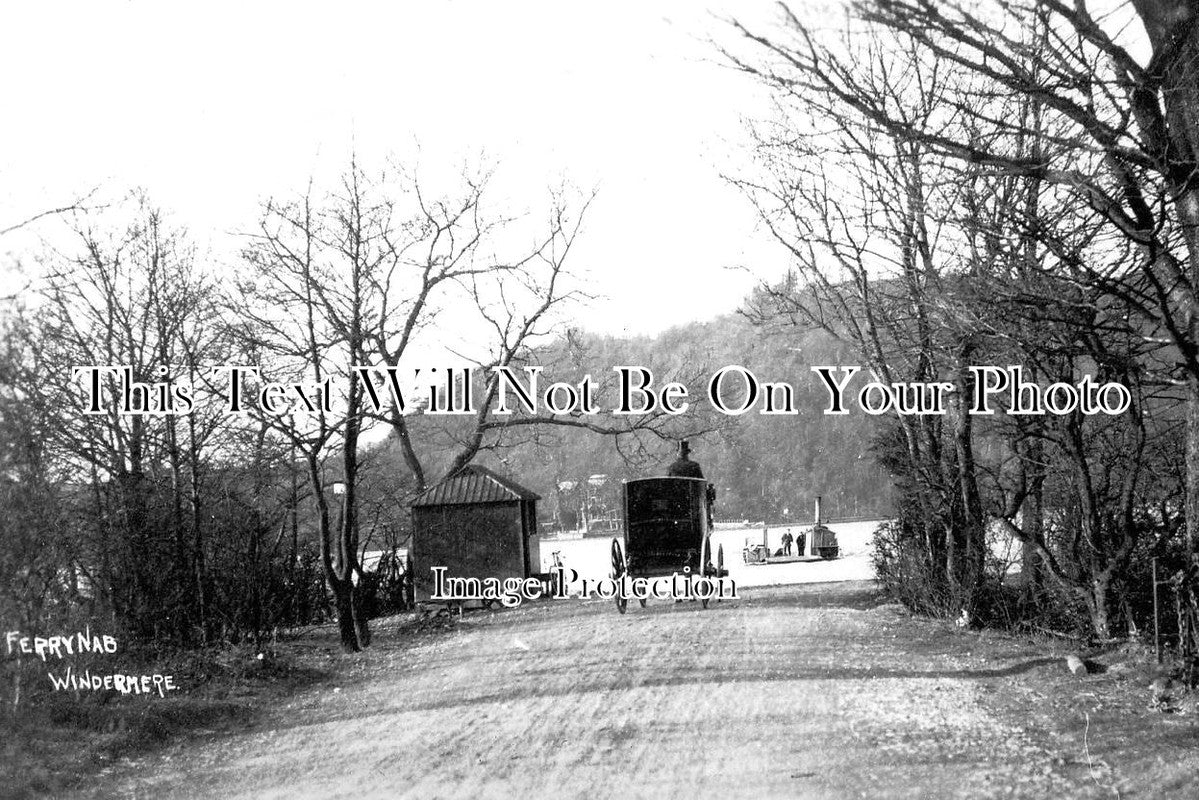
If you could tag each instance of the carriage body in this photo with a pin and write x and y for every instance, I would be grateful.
(668, 530)
(666, 525)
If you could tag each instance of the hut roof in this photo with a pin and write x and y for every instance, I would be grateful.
(473, 484)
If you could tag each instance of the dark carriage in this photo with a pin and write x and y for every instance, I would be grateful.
(668, 525)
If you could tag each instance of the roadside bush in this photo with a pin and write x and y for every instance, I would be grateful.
(902, 567)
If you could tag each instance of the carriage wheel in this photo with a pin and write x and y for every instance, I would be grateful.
(619, 568)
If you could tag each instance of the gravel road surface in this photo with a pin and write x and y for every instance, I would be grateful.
(798, 691)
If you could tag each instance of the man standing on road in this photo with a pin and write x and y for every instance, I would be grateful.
(787, 540)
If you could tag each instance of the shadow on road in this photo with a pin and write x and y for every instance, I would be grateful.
(522, 688)
(856, 595)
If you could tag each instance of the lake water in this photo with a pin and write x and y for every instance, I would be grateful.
(590, 557)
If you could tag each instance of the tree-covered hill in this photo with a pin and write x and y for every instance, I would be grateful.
(764, 466)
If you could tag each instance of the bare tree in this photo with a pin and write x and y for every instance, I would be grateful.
(872, 222)
(938, 215)
(82, 203)
(356, 280)
(126, 310)
(1122, 135)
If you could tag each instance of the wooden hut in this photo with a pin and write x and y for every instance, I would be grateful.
(476, 524)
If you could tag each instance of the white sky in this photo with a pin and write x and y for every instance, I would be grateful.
(213, 106)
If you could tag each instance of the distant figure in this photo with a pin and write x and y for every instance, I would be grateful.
(787, 540)
(684, 467)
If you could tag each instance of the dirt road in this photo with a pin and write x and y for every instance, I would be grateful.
(801, 691)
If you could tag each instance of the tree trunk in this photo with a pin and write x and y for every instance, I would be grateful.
(1032, 522)
(1097, 601)
(1192, 466)
(1173, 29)
(179, 537)
(343, 594)
(198, 569)
(1032, 515)
(362, 632)
(974, 525)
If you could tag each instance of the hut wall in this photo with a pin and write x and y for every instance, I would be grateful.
(470, 541)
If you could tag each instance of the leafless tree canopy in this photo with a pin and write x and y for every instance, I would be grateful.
(998, 183)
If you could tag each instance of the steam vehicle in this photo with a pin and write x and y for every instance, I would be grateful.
(668, 527)
(818, 543)
(824, 541)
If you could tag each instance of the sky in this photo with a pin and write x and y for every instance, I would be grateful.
(212, 107)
